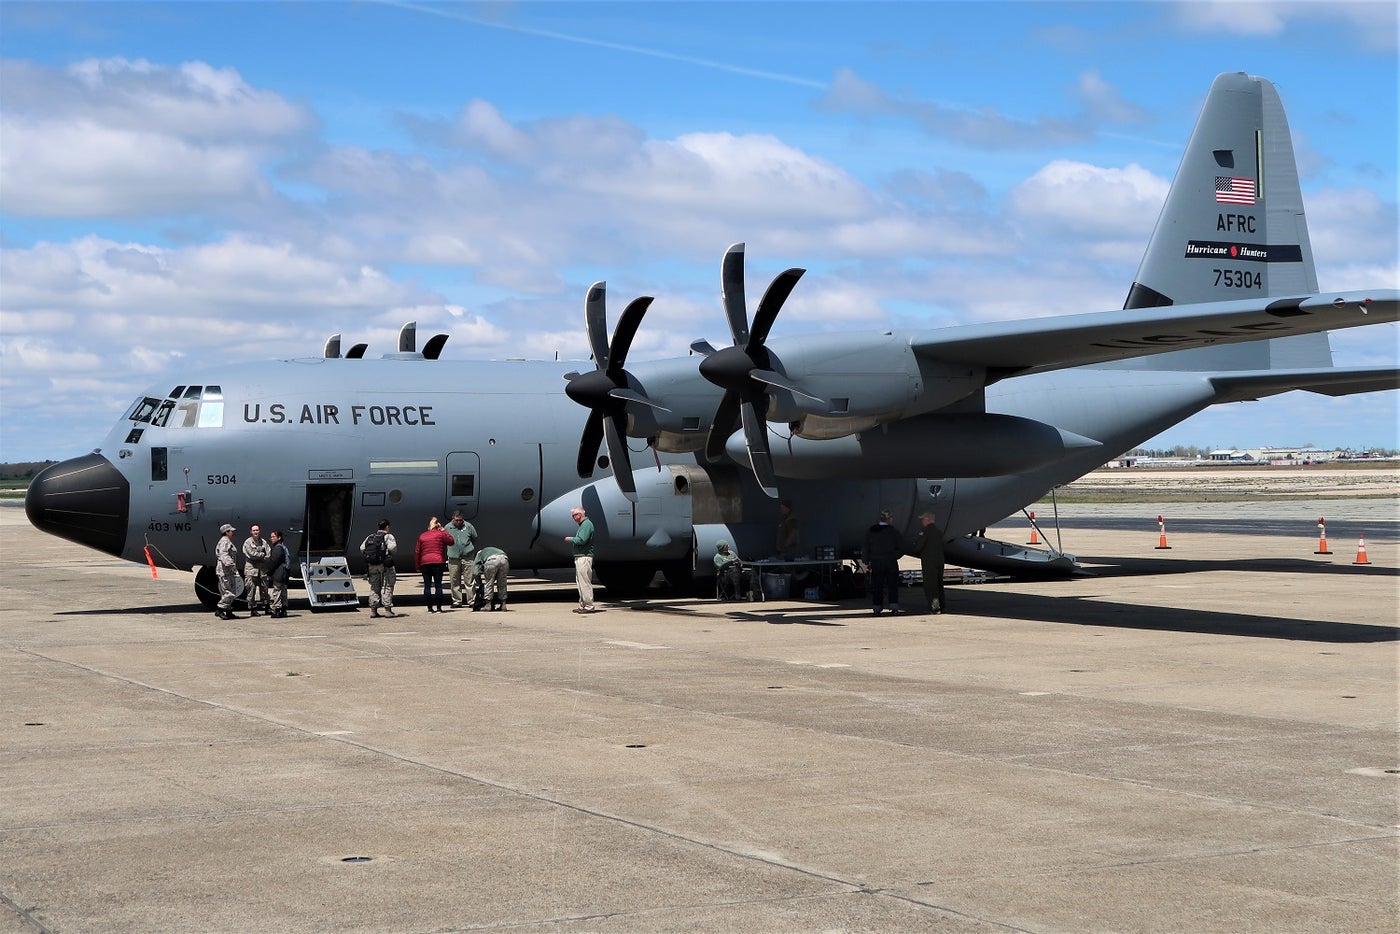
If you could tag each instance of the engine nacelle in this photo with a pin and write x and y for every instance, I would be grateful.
(659, 526)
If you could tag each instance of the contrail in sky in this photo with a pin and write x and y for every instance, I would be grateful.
(616, 46)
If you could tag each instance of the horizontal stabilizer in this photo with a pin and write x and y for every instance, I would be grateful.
(1238, 387)
(1013, 348)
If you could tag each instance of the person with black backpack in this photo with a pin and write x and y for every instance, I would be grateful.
(378, 548)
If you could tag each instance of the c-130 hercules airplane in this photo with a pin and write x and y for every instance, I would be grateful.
(971, 423)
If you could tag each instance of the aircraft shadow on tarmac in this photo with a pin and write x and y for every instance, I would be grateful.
(1153, 567)
(1084, 610)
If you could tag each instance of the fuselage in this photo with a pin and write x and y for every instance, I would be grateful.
(322, 449)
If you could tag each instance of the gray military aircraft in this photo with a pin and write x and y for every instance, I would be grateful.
(971, 423)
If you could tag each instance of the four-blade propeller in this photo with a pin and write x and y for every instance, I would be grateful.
(604, 391)
(744, 370)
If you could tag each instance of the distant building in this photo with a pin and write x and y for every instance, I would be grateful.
(1231, 456)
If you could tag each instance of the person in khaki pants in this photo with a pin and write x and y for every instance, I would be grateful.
(582, 540)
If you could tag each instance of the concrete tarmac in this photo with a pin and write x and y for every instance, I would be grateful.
(1197, 739)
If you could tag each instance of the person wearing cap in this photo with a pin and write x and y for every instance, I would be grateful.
(226, 561)
(729, 568)
(883, 546)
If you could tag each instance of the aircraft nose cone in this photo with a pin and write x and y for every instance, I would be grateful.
(84, 500)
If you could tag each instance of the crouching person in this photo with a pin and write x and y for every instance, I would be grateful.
(492, 568)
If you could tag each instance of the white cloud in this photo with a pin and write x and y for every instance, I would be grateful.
(1372, 24)
(115, 138)
(980, 126)
(1110, 211)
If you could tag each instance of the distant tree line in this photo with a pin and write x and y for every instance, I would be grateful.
(25, 470)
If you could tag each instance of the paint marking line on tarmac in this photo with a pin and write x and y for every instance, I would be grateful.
(633, 645)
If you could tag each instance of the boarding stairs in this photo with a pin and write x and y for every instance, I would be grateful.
(328, 583)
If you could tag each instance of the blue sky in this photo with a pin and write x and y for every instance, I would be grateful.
(194, 183)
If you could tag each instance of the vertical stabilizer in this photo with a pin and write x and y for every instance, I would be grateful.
(1233, 227)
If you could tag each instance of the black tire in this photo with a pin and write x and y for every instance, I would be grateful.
(626, 579)
(206, 587)
(680, 574)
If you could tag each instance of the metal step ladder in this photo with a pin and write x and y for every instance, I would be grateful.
(329, 584)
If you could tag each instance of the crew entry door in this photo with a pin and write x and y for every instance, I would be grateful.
(463, 483)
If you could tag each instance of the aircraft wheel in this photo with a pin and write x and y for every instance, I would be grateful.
(626, 579)
(206, 587)
(680, 574)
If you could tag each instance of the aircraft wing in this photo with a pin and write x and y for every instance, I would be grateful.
(1239, 387)
(1015, 348)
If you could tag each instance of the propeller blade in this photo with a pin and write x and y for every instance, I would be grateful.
(619, 457)
(595, 322)
(622, 337)
(756, 439)
(773, 297)
(627, 395)
(731, 272)
(722, 427)
(588, 444)
(778, 381)
(703, 347)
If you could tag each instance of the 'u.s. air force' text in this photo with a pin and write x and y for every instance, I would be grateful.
(328, 413)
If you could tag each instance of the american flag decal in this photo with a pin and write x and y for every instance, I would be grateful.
(1234, 190)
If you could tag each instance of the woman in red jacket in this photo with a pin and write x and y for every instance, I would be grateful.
(430, 557)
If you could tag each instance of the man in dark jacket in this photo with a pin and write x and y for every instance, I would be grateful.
(883, 546)
(929, 547)
(279, 569)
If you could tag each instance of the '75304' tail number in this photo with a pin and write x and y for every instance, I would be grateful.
(1238, 279)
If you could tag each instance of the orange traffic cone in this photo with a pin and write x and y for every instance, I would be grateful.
(1361, 551)
(1162, 535)
(1322, 538)
(1035, 539)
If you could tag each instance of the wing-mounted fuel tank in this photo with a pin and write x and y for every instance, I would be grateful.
(964, 445)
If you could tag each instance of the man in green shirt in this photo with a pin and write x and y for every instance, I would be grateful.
(582, 540)
(461, 557)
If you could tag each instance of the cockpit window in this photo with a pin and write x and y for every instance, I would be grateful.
(163, 414)
(144, 409)
(185, 407)
(212, 412)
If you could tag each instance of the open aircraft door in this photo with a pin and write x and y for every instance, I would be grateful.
(325, 543)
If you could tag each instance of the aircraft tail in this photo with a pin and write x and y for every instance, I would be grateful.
(1233, 227)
